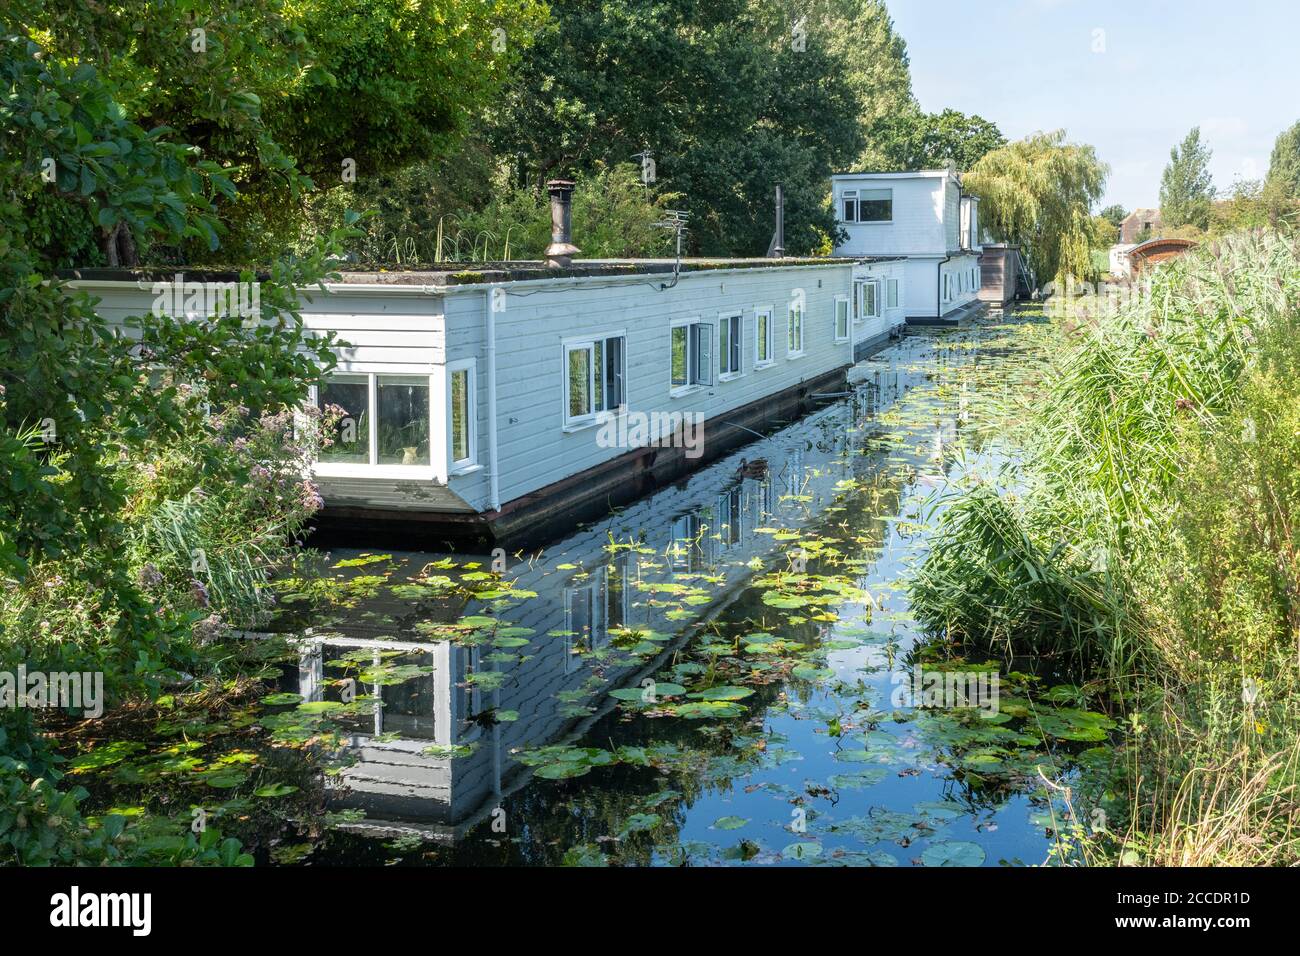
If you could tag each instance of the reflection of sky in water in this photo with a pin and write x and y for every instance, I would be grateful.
(707, 524)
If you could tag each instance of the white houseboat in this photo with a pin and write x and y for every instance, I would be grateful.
(508, 402)
(926, 219)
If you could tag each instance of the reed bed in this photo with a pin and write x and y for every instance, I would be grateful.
(1147, 537)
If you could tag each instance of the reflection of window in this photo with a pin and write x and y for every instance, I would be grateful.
(762, 338)
(462, 415)
(729, 336)
(762, 504)
(602, 602)
(692, 347)
(618, 592)
(403, 419)
(841, 318)
(731, 507)
(352, 434)
(594, 376)
(687, 552)
(469, 697)
(409, 706)
(794, 473)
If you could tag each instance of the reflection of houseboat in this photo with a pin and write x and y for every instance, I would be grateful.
(409, 772)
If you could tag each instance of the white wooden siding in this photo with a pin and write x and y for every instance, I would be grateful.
(533, 448)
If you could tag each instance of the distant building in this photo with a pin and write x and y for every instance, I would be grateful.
(1137, 222)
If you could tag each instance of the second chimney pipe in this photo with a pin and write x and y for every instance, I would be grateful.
(559, 254)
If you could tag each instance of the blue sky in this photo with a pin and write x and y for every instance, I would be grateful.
(1231, 68)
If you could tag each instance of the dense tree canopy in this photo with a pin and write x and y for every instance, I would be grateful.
(911, 139)
(1284, 163)
(1038, 192)
(729, 98)
(1186, 188)
(282, 94)
(1114, 214)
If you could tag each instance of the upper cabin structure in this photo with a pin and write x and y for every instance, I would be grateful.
(506, 402)
(925, 218)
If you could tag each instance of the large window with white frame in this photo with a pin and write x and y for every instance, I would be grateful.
(841, 318)
(385, 421)
(595, 375)
(691, 359)
(730, 343)
(763, 338)
(462, 415)
(867, 205)
(794, 329)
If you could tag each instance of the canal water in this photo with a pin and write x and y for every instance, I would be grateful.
(724, 673)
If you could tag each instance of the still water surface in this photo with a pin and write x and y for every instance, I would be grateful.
(714, 675)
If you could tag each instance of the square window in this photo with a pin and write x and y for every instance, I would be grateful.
(351, 439)
(403, 419)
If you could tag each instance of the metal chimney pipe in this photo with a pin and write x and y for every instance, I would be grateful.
(559, 254)
(778, 240)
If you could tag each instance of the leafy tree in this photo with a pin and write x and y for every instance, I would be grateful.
(1284, 163)
(914, 140)
(1186, 189)
(1252, 204)
(1114, 214)
(284, 91)
(861, 35)
(1037, 192)
(722, 95)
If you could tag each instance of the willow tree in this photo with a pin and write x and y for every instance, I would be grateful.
(1038, 192)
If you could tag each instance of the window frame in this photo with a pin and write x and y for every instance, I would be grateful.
(769, 312)
(790, 312)
(861, 200)
(847, 196)
(464, 465)
(695, 326)
(893, 294)
(587, 343)
(735, 321)
(843, 300)
(860, 299)
(371, 468)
